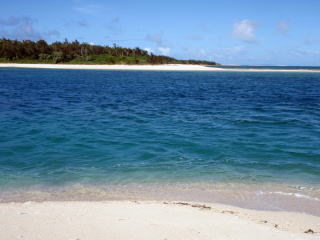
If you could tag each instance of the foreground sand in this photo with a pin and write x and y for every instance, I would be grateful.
(164, 67)
(149, 220)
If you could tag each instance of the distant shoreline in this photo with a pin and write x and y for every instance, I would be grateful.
(163, 67)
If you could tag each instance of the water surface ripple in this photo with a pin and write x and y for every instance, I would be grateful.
(62, 127)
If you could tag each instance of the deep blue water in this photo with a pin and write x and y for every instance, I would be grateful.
(92, 126)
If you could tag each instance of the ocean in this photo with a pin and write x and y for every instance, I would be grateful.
(245, 138)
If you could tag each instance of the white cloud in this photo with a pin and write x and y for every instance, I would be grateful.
(149, 50)
(283, 27)
(164, 51)
(245, 30)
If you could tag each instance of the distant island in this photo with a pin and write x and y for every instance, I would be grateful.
(27, 51)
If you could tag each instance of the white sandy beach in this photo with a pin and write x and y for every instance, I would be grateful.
(149, 220)
(164, 67)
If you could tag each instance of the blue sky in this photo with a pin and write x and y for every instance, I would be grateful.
(229, 32)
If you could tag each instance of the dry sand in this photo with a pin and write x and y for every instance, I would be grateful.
(117, 220)
(164, 67)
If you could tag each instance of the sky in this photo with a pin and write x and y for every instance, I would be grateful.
(246, 32)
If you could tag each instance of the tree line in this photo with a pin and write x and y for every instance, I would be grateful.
(28, 51)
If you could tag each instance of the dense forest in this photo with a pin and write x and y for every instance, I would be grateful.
(80, 53)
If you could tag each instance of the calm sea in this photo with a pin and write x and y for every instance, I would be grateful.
(210, 131)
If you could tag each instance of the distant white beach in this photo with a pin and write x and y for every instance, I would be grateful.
(164, 67)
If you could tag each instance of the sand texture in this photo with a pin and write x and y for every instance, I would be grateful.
(149, 220)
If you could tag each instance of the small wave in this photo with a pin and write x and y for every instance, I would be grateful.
(297, 195)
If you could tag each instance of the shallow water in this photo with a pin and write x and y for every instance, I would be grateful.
(96, 127)
(275, 197)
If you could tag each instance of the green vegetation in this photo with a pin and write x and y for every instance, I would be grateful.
(27, 51)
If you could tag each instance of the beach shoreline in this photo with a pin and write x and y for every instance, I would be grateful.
(149, 219)
(266, 197)
(164, 67)
(66, 184)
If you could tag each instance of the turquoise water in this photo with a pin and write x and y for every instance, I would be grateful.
(98, 127)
